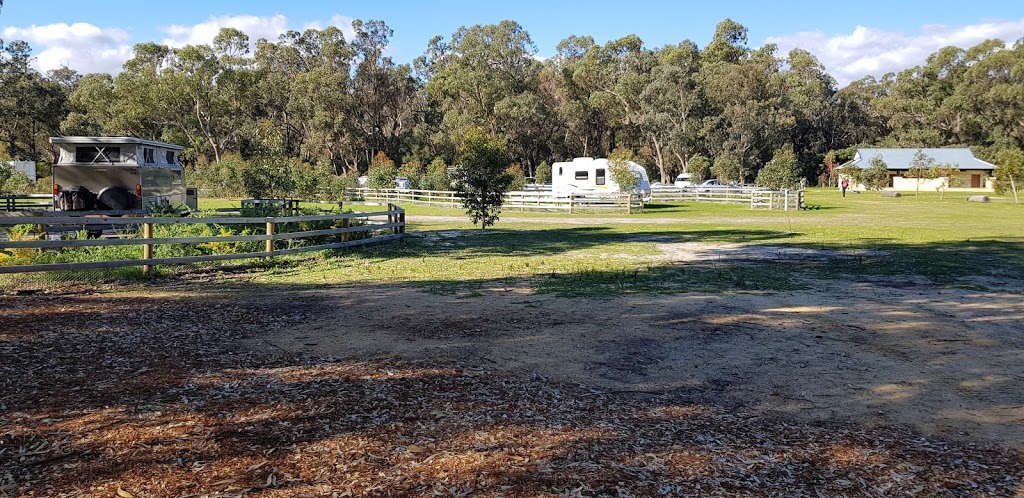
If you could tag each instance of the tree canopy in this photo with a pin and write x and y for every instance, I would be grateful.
(337, 103)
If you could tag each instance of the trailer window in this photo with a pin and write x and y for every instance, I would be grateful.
(170, 157)
(559, 171)
(147, 156)
(599, 176)
(97, 154)
(582, 175)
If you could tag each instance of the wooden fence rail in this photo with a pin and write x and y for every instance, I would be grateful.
(370, 223)
(27, 202)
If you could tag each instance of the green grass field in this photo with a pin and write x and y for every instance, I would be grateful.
(947, 240)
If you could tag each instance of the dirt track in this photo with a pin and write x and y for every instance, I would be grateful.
(945, 361)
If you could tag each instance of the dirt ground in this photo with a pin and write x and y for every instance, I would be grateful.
(863, 387)
(874, 351)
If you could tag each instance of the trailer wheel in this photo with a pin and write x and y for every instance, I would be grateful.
(116, 198)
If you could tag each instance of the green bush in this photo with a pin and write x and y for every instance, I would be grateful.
(543, 174)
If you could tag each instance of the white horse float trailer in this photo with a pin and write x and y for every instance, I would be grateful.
(588, 176)
(116, 174)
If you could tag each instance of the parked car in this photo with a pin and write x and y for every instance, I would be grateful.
(402, 182)
(684, 180)
(710, 185)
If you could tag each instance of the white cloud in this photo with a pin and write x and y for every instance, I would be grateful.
(870, 51)
(203, 33)
(80, 46)
(87, 48)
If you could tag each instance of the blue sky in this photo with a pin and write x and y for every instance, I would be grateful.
(851, 39)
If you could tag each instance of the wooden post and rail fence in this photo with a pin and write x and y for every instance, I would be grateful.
(369, 225)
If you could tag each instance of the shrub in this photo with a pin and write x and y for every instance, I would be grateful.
(699, 169)
(518, 177)
(543, 173)
(382, 172)
(437, 176)
(781, 172)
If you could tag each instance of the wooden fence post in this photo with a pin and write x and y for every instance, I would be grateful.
(344, 224)
(147, 249)
(629, 204)
(270, 238)
(391, 217)
(401, 220)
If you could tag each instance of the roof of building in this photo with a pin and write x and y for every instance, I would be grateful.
(900, 159)
(112, 141)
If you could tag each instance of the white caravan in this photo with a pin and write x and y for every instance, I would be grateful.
(586, 175)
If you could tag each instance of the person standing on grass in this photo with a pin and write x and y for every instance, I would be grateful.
(845, 184)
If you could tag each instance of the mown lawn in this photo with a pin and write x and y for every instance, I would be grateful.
(946, 240)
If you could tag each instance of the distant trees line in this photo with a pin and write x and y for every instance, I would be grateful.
(321, 109)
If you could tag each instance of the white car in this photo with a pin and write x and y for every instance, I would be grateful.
(683, 180)
(403, 182)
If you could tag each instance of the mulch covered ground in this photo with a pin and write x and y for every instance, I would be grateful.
(150, 394)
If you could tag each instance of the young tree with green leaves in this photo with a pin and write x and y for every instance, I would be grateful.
(518, 177)
(876, 177)
(920, 168)
(781, 172)
(700, 169)
(727, 168)
(413, 170)
(947, 175)
(382, 172)
(543, 174)
(437, 176)
(482, 177)
(1009, 171)
(619, 171)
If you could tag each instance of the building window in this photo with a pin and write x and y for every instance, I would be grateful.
(582, 175)
(170, 157)
(97, 154)
(147, 156)
(599, 176)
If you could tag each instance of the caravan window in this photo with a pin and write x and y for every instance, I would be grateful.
(582, 175)
(170, 157)
(147, 156)
(599, 176)
(94, 154)
(559, 171)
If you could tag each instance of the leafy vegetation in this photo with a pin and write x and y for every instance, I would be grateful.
(483, 177)
(332, 103)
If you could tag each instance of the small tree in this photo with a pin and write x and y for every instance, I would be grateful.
(413, 170)
(543, 174)
(1009, 171)
(700, 169)
(727, 168)
(382, 172)
(920, 168)
(13, 181)
(619, 171)
(781, 172)
(482, 177)
(876, 177)
(518, 177)
(437, 176)
(947, 175)
(831, 166)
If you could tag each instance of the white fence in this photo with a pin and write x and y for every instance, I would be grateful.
(521, 200)
(538, 199)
